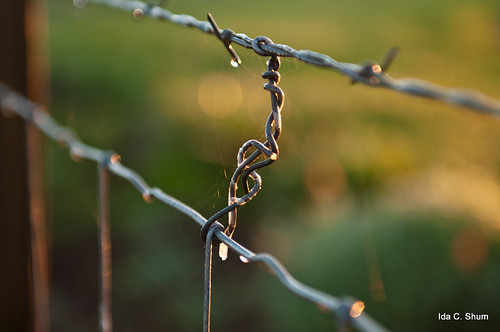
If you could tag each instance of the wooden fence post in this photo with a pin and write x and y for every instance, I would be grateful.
(24, 266)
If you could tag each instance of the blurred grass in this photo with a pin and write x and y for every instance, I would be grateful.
(371, 189)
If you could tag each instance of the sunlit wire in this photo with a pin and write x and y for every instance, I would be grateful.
(371, 75)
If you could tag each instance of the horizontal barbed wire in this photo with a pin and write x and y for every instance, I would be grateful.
(347, 310)
(370, 74)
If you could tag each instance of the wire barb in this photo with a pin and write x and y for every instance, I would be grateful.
(225, 37)
(371, 71)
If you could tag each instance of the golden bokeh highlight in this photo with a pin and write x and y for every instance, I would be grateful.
(470, 249)
(326, 180)
(357, 309)
(219, 96)
(376, 69)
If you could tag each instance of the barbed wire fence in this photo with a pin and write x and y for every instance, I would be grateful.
(349, 311)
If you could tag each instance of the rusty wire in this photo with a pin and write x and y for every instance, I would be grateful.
(12, 102)
(372, 74)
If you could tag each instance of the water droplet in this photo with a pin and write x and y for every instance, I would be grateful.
(234, 63)
(244, 259)
(223, 251)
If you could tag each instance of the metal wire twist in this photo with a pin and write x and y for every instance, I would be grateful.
(368, 75)
(247, 166)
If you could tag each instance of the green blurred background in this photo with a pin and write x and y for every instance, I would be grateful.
(388, 198)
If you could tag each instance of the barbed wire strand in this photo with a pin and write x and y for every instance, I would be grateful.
(12, 102)
(370, 74)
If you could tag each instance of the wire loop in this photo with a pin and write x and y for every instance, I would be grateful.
(256, 45)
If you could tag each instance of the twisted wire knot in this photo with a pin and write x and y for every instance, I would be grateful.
(248, 165)
(257, 43)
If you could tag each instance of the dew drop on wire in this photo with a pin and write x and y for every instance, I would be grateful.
(244, 259)
(223, 251)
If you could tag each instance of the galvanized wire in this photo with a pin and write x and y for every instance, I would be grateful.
(248, 166)
(371, 75)
(12, 102)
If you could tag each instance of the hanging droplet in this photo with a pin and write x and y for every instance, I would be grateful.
(235, 63)
(244, 259)
(223, 251)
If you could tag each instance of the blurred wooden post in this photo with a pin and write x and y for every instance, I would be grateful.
(24, 266)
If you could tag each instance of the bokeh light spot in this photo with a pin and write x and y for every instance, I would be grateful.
(470, 249)
(326, 180)
(219, 96)
(357, 309)
(376, 69)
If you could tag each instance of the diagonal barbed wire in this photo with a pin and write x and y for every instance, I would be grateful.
(347, 310)
(370, 74)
